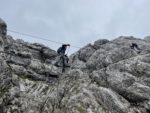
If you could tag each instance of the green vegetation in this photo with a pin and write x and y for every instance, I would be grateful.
(26, 77)
(80, 109)
(3, 90)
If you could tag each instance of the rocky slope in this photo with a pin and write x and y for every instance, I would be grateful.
(106, 77)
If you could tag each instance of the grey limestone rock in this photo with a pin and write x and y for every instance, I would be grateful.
(106, 77)
(98, 43)
(3, 27)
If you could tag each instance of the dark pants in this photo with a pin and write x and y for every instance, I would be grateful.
(62, 62)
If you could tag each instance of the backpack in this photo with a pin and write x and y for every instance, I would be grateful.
(59, 50)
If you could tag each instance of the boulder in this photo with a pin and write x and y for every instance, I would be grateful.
(86, 52)
(111, 101)
(98, 43)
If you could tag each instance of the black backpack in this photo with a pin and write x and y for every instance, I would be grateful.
(59, 50)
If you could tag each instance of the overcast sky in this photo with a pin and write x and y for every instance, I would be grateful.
(77, 22)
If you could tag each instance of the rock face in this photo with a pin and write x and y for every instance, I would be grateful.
(3, 27)
(106, 77)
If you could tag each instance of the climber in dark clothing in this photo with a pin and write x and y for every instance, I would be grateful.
(63, 59)
(135, 47)
(62, 49)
